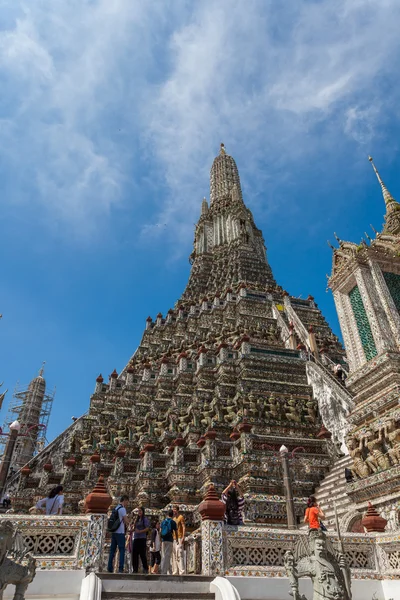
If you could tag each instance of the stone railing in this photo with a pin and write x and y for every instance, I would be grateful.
(258, 551)
(67, 543)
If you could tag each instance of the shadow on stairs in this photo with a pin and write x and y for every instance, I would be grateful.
(155, 587)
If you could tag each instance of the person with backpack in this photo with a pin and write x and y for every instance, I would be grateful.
(117, 524)
(53, 503)
(233, 499)
(138, 544)
(168, 526)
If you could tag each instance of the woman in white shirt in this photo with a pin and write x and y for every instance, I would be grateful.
(53, 503)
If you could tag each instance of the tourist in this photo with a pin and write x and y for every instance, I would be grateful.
(155, 549)
(178, 567)
(138, 544)
(6, 501)
(314, 514)
(53, 503)
(338, 370)
(168, 527)
(232, 497)
(348, 475)
(119, 521)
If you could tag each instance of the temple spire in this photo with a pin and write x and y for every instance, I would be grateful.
(392, 216)
(387, 196)
(224, 177)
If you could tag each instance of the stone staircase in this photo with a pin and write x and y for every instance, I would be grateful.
(155, 587)
(333, 488)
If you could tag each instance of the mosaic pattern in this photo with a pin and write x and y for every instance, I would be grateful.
(212, 548)
(63, 542)
(259, 551)
(393, 282)
(364, 328)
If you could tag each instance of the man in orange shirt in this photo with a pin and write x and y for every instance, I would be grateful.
(178, 567)
(313, 514)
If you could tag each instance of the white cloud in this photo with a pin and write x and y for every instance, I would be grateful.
(182, 77)
(261, 77)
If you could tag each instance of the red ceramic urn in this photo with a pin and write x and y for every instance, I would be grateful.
(179, 441)
(95, 458)
(99, 500)
(70, 462)
(121, 451)
(212, 509)
(235, 435)
(323, 433)
(148, 447)
(48, 467)
(201, 441)
(25, 471)
(211, 434)
(372, 521)
(245, 427)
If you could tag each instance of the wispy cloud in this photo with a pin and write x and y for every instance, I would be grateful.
(92, 86)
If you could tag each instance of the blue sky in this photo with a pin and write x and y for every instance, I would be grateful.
(111, 112)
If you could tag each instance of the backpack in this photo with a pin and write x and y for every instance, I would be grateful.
(166, 528)
(114, 521)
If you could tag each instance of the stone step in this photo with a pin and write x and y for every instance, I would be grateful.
(331, 494)
(155, 587)
(340, 465)
(330, 487)
(156, 596)
(334, 476)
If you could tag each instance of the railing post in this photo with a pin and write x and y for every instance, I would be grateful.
(291, 518)
(212, 512)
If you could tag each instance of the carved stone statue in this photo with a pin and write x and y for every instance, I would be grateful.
(315, 557)
(393, 436)
(12, 569)
(359, 465)
(104, 440)
(374, 445)
(86, 443)
(122, 434)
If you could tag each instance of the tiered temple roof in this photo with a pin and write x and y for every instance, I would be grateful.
(215, 387)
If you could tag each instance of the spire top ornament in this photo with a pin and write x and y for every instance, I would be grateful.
(387, 196)
(222, 148)
(392, 217)
(337, 238)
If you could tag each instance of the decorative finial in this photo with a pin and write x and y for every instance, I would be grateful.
(367, 236)
(42, 369)
(330, 245)
(374, 230)
(337, 238)
(222, 149)
(387, 196)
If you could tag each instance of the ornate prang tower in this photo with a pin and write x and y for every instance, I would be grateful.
(31, 407)
(365, 282)
(214, 389)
